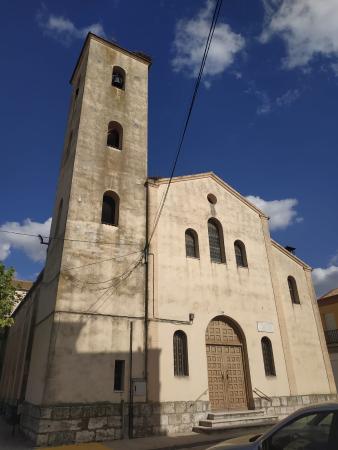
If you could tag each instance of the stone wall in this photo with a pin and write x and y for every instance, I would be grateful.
(283, 406)
(57, 425)
(98, 422)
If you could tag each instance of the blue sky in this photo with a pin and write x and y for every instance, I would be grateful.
(265, 118)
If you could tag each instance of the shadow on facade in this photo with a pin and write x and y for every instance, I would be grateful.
(93, 395)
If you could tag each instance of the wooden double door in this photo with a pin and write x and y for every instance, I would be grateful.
(226, 374)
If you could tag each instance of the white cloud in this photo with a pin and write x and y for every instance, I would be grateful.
(308, 28)
(267, 104)
(282, 213)
(288, 97)
(325, 279)
(63, 29)
(190, 39)
(29, 245)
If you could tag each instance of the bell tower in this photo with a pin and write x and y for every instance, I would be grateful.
(92, 291)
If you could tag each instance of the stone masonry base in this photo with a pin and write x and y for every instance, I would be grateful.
(55, 425)
(283, 406)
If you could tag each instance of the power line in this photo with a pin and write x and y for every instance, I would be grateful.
(164, 197)
(66, 239)
(192, 102)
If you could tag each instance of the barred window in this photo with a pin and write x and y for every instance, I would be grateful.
(180, 354)
(269, 363)
(191, 243)
(293, 290)
(110, 208)
(240, 254)
(216, 245)
(114, 136)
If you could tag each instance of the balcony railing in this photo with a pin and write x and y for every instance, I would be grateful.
(331, 336)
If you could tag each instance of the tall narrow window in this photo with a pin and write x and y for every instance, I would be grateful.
(293, 290)
(114, 136)
(269, 363)
(119, 77)
(191, 243)
(180, 354)
(240, 254)
(58, 219)
(110, 208)
(216, 244)
(119, 375)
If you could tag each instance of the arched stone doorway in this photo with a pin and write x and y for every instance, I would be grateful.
(228, 372)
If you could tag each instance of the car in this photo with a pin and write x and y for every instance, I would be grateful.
(311, 428)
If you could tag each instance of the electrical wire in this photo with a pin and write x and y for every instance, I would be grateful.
(192, 102)
(67, 239)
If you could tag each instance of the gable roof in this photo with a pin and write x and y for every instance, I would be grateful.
(290, 255)
(332, 293)
(231, 190)
(218, 180)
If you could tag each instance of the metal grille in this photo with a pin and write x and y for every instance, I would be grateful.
(214, 243)
(180, 354)
(239, 256)
(293, 290)
(269, 364)
(190, 244)
(331, 336)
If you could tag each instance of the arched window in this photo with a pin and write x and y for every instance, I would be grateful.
(240, 254)
(293, 290)
(58, 219)
(180, 354)
(114, 136)
(269, 363)
(110, 208)
(191, 243)
(216, 244)
(119, 77)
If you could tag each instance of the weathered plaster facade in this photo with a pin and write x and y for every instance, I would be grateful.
(328, 307)
(101, 298)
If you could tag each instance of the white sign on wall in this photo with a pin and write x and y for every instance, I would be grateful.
(265, 327)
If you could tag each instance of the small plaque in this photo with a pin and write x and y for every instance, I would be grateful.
(265, 327)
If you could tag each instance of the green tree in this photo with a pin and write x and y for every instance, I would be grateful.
(7, 296)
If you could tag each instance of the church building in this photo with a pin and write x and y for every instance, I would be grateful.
(149, 320)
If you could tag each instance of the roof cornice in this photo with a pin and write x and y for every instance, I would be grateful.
(290, 255)
(90, 35)
(215, 178)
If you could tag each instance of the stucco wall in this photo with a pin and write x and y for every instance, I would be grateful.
(88, 287)
(302, 331)
(186, 285)
(183, 285)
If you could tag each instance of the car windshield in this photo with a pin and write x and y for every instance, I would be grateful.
(310, 432)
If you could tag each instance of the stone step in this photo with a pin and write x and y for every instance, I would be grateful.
(235, 414)
(236, 424)
(241, 420)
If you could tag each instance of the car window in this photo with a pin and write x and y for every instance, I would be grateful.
(310, 432)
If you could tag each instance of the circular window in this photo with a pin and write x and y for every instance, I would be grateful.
(212, 199)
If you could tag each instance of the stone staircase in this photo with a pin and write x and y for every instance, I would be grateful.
(229, 420)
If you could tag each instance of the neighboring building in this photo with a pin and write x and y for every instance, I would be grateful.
(116, 334)
(328, 307)
(21, 289)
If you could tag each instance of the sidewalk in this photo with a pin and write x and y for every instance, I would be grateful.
(175, 442)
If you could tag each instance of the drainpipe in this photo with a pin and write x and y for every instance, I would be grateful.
(146, 293)
(131, 402)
